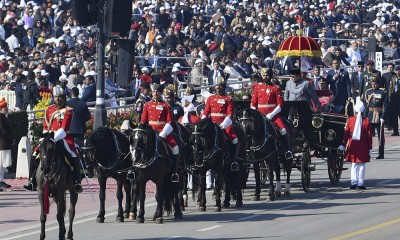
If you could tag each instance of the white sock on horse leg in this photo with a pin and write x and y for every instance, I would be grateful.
(208, 179)
(190, 181)
(278, 186)
(287, 187)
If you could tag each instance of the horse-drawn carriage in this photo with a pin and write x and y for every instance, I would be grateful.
(320, 133)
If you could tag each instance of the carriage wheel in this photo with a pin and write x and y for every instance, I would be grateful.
(305, 170)
(335, 167)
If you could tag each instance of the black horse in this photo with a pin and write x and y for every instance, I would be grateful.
(262, 145)
(150, 156)
(211, 151)
(108, 151)
(55, 177)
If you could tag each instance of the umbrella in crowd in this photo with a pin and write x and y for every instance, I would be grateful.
(299, 46)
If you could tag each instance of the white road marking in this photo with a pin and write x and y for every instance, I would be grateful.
(173, 237)
(318, 199)
(385, 181)
(256, 214)
(66, 224)
(209, 228)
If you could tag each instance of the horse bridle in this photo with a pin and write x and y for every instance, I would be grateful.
(155, 156)
(215, 149)
(52, 173)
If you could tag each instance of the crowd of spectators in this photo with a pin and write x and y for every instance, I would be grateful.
(179, 41)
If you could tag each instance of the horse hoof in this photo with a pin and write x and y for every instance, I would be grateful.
(140, 220)
(270, 199)
(278, 194)
(233, 196)
(256, 198)
(217, 209)
(186, 204)
(226, 205)
(159, 220)
(202, 208)
(120, 219)
(239, 204)
(178, 216)
(183, 208)
(100, 220)
(287, 194)
(126, 215)
(132, 216)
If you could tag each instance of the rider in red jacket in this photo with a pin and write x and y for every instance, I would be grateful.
(267, 99)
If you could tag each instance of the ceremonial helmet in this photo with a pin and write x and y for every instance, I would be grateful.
(58, 91)
(156, 87)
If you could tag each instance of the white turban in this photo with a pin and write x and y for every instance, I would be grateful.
(187, 110)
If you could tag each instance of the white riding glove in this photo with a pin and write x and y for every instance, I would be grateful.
(166, 130)
(342, 148)
(60, 134)
(226, 123)
(272, 114)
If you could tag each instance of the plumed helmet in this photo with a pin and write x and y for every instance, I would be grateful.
(169, 93)
(58, 91)
(220, 81)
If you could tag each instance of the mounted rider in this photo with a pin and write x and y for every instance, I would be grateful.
(220, 107)
(157, 113)
(57, 119)
(142, 99)
(267, 99)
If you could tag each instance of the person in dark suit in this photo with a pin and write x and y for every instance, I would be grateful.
(216, 73)
(19, 92)
(339, 82)
(388, 77)
(89, 93)
(308, 30)
(29, 40)
(80, 117)
(356, 80)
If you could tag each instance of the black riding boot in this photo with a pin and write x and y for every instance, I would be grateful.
(286, 147)
(32, 185)
(381, 153)
(174, 165)
(77, 175)
(233, 152)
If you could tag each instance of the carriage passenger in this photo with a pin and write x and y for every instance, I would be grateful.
(301, 90)
(57, 119)
(158, 115)
(189, 116)
(220, 107)
(177, 110)
(267, 99)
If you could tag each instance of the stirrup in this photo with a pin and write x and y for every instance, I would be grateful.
(130, 175)
(30, 187)
(234, 167)
(288, 155)
(78, 188)
(174, 177)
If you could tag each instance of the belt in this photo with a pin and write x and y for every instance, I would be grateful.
(375, 109)
(157, 122)
(266, 105)
(218, 115)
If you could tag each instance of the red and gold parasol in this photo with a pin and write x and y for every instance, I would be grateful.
(299, 46)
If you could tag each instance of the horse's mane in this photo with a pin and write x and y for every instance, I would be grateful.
(204, 124)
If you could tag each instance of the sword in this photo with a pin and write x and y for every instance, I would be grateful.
(87, 179)
(381, 127)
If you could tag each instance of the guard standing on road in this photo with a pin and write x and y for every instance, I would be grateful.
(376, 99)
(267, 99)
(358, 139)
(6, 141)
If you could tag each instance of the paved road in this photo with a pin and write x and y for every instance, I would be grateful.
(326, 212)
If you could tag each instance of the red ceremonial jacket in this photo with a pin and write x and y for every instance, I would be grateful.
(358, 151)
(60, 117)
(266, 97)
(218, 107)
(157, 114)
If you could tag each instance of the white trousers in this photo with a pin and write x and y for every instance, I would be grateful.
(357, 174)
